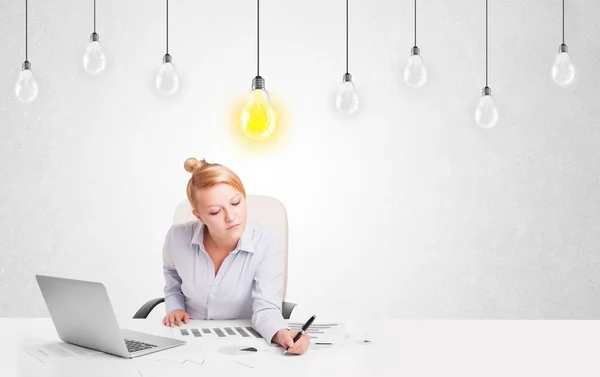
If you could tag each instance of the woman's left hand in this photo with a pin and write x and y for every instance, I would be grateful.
(285, 338)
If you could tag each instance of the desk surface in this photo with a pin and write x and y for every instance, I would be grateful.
(398, 348)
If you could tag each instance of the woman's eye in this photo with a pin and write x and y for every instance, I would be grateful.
(235, 204)
(214, 213)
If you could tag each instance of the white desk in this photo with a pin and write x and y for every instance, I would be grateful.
(412, 348)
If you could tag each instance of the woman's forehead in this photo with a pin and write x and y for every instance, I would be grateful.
(217, 194)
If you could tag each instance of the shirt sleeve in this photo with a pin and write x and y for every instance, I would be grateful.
(267, 291)
(174, 298)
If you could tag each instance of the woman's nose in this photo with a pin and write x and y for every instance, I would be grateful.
(229, 216)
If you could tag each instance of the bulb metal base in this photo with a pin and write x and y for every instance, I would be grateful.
(258, 83)
(94, 37)
(26, 65)
(563, 48)
(415, 51)
(347, 77)
(486, 91)
(167, 58)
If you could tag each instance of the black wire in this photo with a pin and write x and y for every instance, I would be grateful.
(415, 22)
(563, 22)
(94, 16)
(346, 36)
(25, 30)
(257, 37)
(167, 26)
(486, 42)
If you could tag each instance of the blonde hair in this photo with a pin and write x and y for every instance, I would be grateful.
(206, 174)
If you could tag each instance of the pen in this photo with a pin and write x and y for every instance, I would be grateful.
(302, 331)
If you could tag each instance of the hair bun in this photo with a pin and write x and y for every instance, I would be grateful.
(192, 164)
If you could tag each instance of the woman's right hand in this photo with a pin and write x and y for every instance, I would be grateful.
(176, 317)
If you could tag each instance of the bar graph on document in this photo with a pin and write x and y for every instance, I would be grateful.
(318, 332)
(239, 332)
(322, 332)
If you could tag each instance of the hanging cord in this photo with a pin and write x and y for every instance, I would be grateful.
(167, 26)
(257, 37)
(25, 30)
(346, 36)
(563, 24)
(486, 42)
(415, 22)
(94, 16)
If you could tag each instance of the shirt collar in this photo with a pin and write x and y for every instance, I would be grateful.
(245, 242)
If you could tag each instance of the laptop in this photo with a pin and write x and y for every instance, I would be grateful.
(83, 315)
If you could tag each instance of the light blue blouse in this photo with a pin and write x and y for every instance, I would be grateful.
(249, 283)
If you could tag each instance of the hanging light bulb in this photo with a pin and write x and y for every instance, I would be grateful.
(166, 81)
(258, 120)
(346, 101)
(26, 88)
(563, 71)
(94, 60)
(486, 114)
(415, 74)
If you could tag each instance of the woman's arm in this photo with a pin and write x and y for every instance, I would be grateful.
(174, 298)
(267, 290)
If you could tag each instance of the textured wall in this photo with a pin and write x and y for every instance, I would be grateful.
(409, 209)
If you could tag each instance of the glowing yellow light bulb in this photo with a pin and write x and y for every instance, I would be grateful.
(258, 118)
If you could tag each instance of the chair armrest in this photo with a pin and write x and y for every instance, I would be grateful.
(286, 309)
(147, 308)
(144, 311)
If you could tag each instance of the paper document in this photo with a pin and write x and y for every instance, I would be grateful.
(56, 351)
(318, 332)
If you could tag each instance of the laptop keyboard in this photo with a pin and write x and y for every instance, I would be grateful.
(135, 346)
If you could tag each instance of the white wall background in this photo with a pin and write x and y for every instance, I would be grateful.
(407, 210)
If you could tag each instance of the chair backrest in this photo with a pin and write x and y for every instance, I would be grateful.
(266, 210)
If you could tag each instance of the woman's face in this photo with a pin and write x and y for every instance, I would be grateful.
(223, 210)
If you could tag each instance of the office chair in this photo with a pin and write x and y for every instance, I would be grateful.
(269, 212)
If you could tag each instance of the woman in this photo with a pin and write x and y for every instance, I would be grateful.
(222, 268)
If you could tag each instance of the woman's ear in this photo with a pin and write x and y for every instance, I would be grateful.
(195, 213)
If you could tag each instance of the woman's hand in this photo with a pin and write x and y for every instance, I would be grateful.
(176, 317)
(285, 338)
